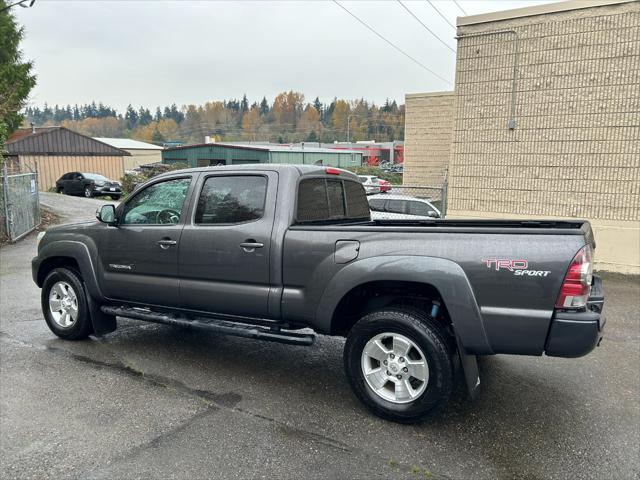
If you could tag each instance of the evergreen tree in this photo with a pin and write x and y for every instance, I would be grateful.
(264, 107)
(16, 79)
(144, 116)
(312, 137)
(244, 104)
(174, 113)
(317, 104)
(131, 117)
(232, 104)
(158, 115)
(328, 113)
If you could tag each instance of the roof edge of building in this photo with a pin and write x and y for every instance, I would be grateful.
(430, 94)
(535, 10)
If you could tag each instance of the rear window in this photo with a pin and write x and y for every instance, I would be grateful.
(329, 199)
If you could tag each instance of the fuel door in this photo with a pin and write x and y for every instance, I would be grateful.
(346, 251)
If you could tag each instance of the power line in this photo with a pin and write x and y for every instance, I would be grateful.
(426, 28)
(392, 44)
(440, 13)
(461, 9)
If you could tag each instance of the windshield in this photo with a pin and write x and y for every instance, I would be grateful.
(94, 176)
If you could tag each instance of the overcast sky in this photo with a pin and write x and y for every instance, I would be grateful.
(159, 52)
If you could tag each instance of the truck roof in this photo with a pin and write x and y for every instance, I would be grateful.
(270, 167)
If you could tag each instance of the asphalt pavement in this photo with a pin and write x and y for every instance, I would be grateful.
(154, 401)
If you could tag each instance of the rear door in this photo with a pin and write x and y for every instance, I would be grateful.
(76, 184)
(68, 182)
(225, 247)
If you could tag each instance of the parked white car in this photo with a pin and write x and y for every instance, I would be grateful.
(370, 183)
(397, 207)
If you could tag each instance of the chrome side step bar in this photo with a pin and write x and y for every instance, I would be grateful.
(273, 333)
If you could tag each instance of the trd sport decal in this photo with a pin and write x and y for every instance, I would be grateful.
(519, 267)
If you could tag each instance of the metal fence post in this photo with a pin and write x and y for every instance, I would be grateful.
(5, 198)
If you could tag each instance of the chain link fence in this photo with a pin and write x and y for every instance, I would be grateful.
(19, 204)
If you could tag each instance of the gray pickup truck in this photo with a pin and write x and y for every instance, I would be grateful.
(266, 251)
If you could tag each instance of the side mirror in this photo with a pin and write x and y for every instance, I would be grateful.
(106, 214)
(433, 214)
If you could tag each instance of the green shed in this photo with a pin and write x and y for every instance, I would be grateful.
(205, 154)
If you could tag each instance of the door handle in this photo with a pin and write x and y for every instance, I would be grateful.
(251, 245)
(166, 243)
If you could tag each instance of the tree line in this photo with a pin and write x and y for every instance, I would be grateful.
(288, 118)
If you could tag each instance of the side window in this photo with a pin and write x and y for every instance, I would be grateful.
(158, 204)
(377, 204)
(231, 199)
(419, 208)
(396, 206)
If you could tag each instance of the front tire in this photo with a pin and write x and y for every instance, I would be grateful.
(64, 305)
(399, 364)
(88, 192)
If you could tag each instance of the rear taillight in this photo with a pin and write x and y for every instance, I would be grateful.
(577, 284)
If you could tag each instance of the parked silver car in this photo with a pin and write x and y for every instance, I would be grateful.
(371, 184)
(397, 207)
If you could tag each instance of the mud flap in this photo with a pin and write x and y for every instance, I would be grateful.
(470, 368)
(102, 323)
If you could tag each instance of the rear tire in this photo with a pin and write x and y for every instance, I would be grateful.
(405, 339)
(115, 197)
(64, 305)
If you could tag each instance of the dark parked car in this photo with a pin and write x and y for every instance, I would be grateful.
(89, 185)
(263, 251)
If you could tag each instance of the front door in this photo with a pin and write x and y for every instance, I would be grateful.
(225, 248)
(139, 257)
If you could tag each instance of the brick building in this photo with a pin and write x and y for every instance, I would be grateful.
(428, 137)
(547, 120)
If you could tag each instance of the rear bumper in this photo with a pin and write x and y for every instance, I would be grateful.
(574, 334)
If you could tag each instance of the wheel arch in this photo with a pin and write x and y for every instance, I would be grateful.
(76, 255)
(429, 276)
(72, 254)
